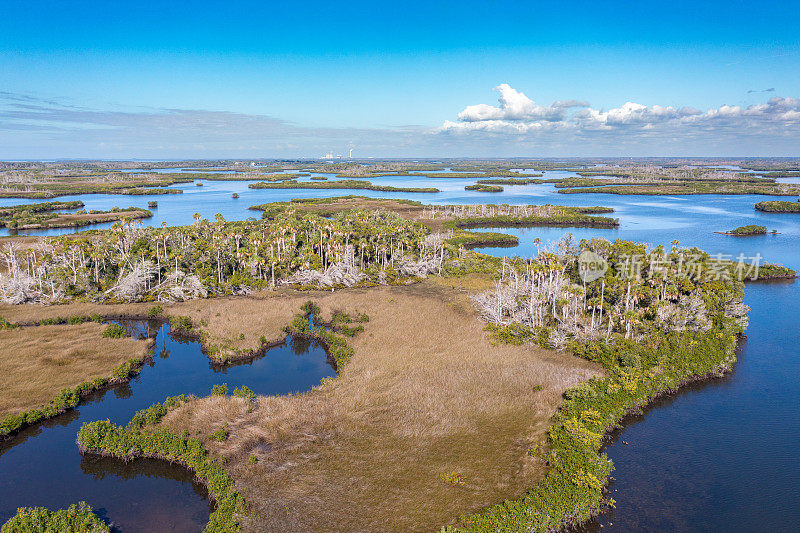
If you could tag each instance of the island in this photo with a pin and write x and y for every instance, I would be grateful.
(744, 231)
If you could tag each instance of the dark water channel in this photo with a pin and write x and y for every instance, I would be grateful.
(41, 466)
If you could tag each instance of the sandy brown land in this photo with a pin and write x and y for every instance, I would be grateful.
(425, 395)
(36, 362)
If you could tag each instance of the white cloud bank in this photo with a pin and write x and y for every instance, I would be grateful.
(32, 127)
(518, 115)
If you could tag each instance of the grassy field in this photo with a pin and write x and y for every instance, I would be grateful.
(36, 362)
(416, 429)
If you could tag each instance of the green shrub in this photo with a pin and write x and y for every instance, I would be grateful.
(515, 334)
(220, 435)
(180, 323)
(153, 414)
(350, 331)
(102, 436)
(154, 311)
(310, 308)
(452, 478)
(11, 423)
(244, 392)
(76, 519)
(219, 390)
(114, 331)
(122, 371)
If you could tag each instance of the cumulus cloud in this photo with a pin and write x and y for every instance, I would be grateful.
(518, 114)
(633, 113)
(515, 106)
(32, 127)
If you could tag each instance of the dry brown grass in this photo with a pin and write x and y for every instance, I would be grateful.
(36, 362)
(30, 313)
(240, 322)
(426, 393)
(220, 318)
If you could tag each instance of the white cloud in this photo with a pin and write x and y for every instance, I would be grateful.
(633, 113)
(31, 127)
(515, 106)
(518, 114)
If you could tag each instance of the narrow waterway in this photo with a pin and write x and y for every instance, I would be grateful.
(41, 466)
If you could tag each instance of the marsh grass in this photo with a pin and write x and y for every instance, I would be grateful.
(37, 362)
(369, 449)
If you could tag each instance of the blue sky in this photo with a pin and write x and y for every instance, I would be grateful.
(207, 79)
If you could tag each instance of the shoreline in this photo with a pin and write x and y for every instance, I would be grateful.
(82, 394)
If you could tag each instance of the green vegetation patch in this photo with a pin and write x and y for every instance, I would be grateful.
(751, 229)
(114, 331)
(142, 438)
(333, 336)
(76, 519)
(778, 206)
(514, 181)
(483, 188)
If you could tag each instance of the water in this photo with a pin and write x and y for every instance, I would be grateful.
(41, 466)
(721, 455)
(640, 210)
(717, 456)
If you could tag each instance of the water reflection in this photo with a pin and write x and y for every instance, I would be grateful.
(41, 465)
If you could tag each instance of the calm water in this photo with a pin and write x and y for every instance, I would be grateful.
(718, 456)
(722, 455)
(42, 467)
